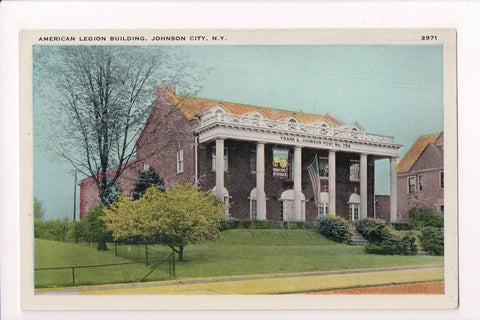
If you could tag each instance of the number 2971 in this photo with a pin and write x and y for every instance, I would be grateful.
(429, 38)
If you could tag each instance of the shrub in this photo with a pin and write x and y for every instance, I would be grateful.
(228, 223)
(57, 230)
(383, 239)
(294, 225)
(375, 231)
(401, 225)
(257, 224)
(335, 228)
(420, 218)
(405, 246)
(432, 240)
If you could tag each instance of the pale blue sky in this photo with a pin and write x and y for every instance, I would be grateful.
(394, 90)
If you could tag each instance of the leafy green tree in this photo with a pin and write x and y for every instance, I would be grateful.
(146, 179)
(181, 215)
(38, 211)
(93, 227)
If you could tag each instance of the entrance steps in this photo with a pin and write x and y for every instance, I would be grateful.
(358, 239)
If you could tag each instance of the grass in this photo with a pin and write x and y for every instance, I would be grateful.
(235, 252)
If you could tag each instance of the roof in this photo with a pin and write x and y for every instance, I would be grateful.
(191, 107)
(415, 151)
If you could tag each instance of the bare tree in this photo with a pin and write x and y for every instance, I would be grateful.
(101, 98)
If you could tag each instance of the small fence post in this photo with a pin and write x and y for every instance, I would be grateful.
(170, 268)
(146, 254)
(116, 249)
(173, 263)
(73, 275)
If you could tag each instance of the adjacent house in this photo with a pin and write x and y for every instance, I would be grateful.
(263, 163)
(421, 176)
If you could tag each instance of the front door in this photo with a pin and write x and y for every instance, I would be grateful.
(288, 210)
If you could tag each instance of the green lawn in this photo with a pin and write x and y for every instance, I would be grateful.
(235, 252)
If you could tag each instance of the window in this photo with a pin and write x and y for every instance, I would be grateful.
(323, 167)
(323, 209)
(253, 161)
(180, 161)
(442, 208)
(214, 158)
(412, 185)
(354, 170)
(420, 182)
(253, 209)
(354, 207)
(441, 179)
(253, 204)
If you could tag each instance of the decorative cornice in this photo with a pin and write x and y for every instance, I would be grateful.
(294, 130)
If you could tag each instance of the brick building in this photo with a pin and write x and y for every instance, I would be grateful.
(420, 176)
(265, 164)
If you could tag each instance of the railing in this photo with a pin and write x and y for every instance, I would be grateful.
(170, 258)
(294, 127)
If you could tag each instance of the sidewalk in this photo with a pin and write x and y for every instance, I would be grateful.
(270, 283)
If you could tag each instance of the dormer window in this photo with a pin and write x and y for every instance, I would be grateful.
(219, 111)
(292, 123)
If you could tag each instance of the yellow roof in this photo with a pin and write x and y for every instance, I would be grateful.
(192, 106)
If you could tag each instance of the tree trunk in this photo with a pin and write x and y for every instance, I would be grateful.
(180, 253)
(102, 244)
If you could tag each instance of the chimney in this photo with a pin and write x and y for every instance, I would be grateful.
(164, 88)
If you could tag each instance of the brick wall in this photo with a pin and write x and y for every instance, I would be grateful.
(430, 165)
(382, 207)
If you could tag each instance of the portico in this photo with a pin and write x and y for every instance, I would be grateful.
(349, 145)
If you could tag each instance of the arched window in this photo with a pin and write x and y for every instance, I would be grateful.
(288, 205)
(225, 197)
(354, 207)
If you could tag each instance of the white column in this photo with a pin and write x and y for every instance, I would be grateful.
(297, 183)
(393, 189)
(219, 168)
(261, 201)
(331, 183)
(363, 186)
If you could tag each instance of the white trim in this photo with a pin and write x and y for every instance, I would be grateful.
(403, 174)
(280, 134)
(254, 114)
(321, 124)
(180, 161)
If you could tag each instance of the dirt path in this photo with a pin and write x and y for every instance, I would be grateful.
(412, 288)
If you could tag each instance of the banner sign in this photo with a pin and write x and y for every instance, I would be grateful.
(280, 163)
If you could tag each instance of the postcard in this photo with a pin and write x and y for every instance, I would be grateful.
(238, 169)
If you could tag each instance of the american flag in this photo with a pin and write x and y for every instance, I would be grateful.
(314, 173)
